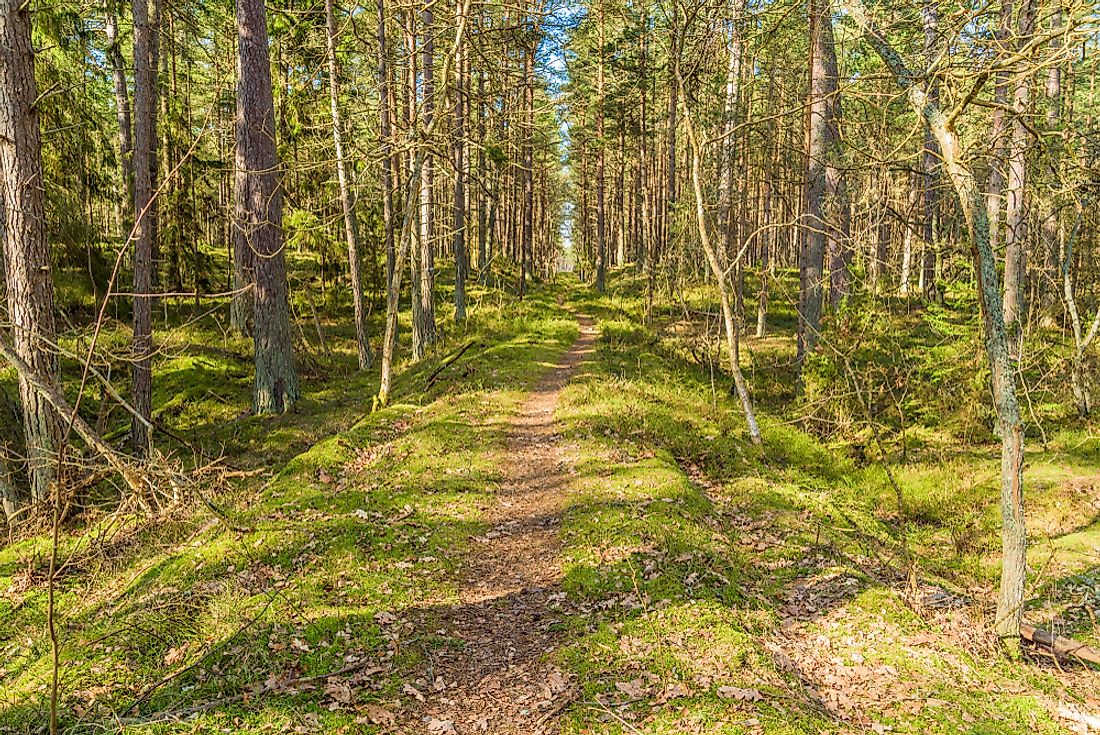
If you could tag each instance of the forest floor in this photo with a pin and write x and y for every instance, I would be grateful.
(501, 677)
(562, 528)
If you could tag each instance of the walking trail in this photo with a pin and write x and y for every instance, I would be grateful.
(507, 620)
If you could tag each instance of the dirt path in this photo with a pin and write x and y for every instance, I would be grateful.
(499, 680)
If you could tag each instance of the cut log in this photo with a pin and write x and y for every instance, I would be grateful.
(1059, 645)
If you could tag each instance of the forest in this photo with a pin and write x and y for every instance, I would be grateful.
(602, 366)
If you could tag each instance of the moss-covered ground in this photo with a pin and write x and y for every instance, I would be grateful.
(714, 586)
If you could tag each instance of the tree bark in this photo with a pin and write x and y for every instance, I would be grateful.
(1013, 532)
(1016, 213)
(929, 157)
(347, 202)
(601, 182)
(838, 209)
(145, 162)
(528, 204)
(426, 271)
(122, 103)
(720, 270)
(389, 170)
(811, 261)
(458, 243)
(260, 215)
(1049, 229)
(26, 253)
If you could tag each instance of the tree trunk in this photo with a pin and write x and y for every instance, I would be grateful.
(122, 105)
(26, 253)
(145, 161)
(601, 213)
(389, 169)
(528, 204)
(836, 185)
(482, 172)
(1013, 533)
(426, 270)
(1049, 229)
(720, 271)
(1016, 208)
(673, 110)
(347, 204)
(811, 263)
(461, 93)
(260, 215)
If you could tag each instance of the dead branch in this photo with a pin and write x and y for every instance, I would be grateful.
(1060, 645)
(448, 362)
(53, 396)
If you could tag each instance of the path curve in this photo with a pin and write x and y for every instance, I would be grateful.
(510, 602)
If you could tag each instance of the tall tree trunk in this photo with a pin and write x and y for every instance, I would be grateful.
(996, 184)
(620, 198)
(122, 103)
(836, 185)
(145, 161)
(426, 271)
(461, 94)
(811, 262)
(389, 169)
(260, 215)
(347, 202)
(727, 159)
(483, 173)
(720, 271)
(929, 157)
(411, 202)
(528, 204)
(26, 253)
(1013, 533)
(1049, 230)
(673, 110)
(1016, 207)
(601, 183)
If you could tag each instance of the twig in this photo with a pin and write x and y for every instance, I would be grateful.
(176, 674)
(277, 688)
(448, 362)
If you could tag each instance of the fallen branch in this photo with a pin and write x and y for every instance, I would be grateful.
(52, 396)
(148, 692)
(289, 686)
(1059, 645)
(448, 362)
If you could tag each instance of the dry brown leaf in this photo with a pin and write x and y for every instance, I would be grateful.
(413, 692)
(339, 691)
(177, 654)
(436, 725)
(375, 715)
(741, 695)
(634, 688)
(556, 681)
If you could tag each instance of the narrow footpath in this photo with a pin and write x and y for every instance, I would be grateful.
(499, 678)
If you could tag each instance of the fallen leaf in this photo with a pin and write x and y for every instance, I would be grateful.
(339, 691)
(742, 695)
(556, 682)
(634, 688)
(177, 654)
(440, 726)
(376, 715)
